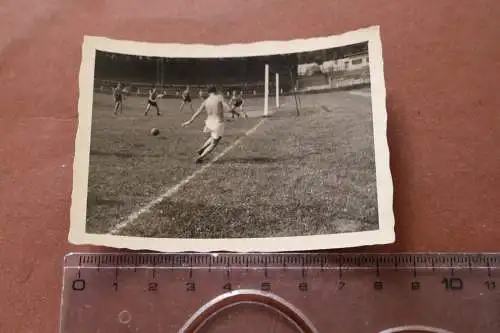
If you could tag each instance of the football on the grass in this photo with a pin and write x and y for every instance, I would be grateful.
(155, 131)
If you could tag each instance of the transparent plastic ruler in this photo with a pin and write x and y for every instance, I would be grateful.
(281, 293)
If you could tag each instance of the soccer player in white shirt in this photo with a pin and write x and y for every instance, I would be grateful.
(214, 123)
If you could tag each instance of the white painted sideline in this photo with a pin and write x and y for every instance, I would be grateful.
(174, 189)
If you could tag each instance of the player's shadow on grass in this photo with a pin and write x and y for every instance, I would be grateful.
(248, 160)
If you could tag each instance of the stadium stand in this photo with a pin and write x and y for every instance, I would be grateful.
(172, 75)
(340, 68)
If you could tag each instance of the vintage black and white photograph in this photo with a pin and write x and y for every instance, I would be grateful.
(268, 146)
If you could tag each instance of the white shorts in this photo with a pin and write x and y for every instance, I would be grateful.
(214, 127)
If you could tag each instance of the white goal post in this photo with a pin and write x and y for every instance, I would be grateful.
(266, 90)
(277, 90)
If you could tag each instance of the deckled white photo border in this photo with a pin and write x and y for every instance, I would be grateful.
(384, 235)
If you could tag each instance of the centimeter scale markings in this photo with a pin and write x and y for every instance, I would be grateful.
(335, 292)
(293, 260)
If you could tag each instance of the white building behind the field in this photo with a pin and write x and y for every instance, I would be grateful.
(349, 71)
(354, 62)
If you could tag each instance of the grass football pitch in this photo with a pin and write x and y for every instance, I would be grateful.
(292, 175)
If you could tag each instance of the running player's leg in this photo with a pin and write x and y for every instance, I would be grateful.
(216, 131)
(115, 109)
(243, 111)
(205, 145)
(118, 105)
(211, 146)
(148, 107)
(234, 112)
(157, 109)
(182, 106)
